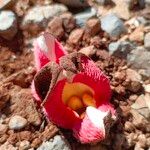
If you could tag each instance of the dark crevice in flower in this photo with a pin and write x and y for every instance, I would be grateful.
(46, 79)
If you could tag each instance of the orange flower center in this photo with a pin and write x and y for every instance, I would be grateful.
(78, 96)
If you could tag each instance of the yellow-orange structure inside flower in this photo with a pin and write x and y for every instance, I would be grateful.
(75, 103)
(88, 100)
(79, 97)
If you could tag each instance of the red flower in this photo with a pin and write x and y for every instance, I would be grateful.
(73, 92)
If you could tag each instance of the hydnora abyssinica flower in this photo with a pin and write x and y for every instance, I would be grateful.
(73, 93)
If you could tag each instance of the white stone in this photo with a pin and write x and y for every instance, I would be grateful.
(24, 145)
(42, 14)
(8, 24)
(147, 88)
(147, 41)
(57, 143)
(133, 75)
(89, 51)
(17, 122)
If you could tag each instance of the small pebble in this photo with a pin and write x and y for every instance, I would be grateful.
(147, 88)
(147, 41)
(57, 143)
(3, 129)
(142, 140)
(24, 145)
(113, 25)
(8, 29)
(17, 122)
(129, 126)
(89, 51)
(135, 86)
(133, 97)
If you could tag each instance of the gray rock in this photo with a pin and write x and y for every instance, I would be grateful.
(142, 21)
(141, 107)
(82, 17)
(17, 122)
(147, 41)
(139, 58)
(41, 15)
(113, 25)
(57, 143)
(8, 24)
(120, 48)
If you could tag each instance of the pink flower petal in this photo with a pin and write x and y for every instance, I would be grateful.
(46, 49)
(57, 111)
(92, 128)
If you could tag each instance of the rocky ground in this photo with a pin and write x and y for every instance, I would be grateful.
(115, 34)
